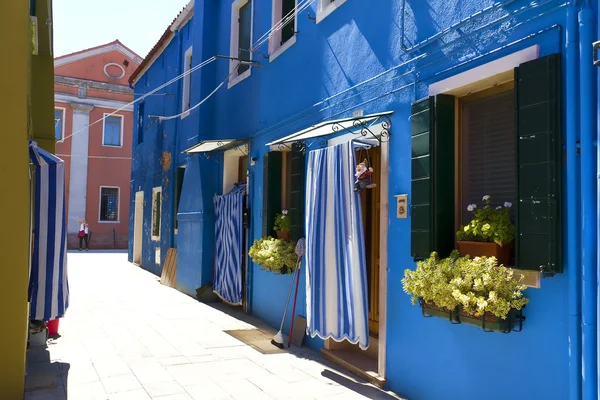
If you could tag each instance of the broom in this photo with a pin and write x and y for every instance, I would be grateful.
(278, 338)
(300, 247)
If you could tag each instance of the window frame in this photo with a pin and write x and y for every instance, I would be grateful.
(156, 191)
(122, 128)
(100, 220)
(234, 78)
(186, 92)
(64, 115)
(275, 47)
(324, 10)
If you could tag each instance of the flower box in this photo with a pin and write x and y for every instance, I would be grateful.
(491, 323)
(487, 249)
(431, 310)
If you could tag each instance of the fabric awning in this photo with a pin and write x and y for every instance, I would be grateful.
(208, 146)
(371, 126)
(48, 284)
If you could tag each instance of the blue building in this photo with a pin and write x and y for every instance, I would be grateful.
(447, 100)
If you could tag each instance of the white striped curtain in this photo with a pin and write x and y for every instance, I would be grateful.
(48, 284)
(336, 284)
(229, 237)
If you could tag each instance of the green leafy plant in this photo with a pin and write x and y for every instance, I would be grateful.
(477, 285)
(274, 254)
(489, 224)
(282, 222)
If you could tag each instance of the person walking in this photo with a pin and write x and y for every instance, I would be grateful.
(83, 234)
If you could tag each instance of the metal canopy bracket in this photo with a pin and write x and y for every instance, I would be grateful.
(363, 126)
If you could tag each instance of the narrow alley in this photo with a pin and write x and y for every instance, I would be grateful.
(125, 336)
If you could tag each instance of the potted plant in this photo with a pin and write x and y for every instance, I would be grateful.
(490, 233)
(275, 255)
(282, 225)
(474, 291)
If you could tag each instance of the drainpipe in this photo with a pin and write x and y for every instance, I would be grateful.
(574, 268)
(588, 202)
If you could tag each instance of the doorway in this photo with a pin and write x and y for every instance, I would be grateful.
(138, 228)
(371, 222)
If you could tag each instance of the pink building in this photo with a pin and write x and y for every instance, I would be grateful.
(93, 126)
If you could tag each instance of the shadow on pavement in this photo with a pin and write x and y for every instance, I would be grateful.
(45, 379)
(363, 389)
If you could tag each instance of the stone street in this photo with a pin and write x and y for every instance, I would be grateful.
(125, 336)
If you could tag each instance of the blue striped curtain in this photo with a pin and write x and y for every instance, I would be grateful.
(336, 284)
(48, 285)
(229, 232)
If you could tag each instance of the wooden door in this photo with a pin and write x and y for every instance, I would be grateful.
(370, 201)
(242, 178)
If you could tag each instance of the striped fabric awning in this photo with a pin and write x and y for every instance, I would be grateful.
(48, 285)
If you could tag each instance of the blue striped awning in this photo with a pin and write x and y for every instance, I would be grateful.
(48, 285)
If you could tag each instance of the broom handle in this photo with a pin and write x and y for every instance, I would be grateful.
(287, 303)
(294, 307)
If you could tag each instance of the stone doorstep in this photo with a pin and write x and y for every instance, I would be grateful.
(357, 364)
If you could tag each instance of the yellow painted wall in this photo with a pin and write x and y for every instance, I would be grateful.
(14, 173)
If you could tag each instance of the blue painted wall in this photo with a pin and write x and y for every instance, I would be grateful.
(426, 358)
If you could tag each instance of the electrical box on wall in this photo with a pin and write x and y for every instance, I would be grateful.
(402, 206)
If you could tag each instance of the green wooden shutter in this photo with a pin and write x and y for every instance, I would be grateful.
(444, 171)
(296, 206)
(538, 126)
(271, 191)
(421, 207)
(432, 179)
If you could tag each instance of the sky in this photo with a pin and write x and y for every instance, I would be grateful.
(138, 24)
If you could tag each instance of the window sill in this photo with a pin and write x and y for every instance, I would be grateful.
(324, 13)
(109, 222)
(239, 78)
(282, 48)
(113, 146)
(156, 238)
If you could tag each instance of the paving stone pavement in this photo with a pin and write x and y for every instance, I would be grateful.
(127, 337)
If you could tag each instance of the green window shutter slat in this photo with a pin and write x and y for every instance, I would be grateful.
(443, 185)
(296, 206)
(432, 178)
(421, 183)
(271, 191)
(538, 126)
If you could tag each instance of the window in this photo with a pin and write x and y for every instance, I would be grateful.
(326, 7)
(178, 189)
(109, 204)
(140, 128)
(506, 144)
(283, 187)
(59, 124)
(156, 211)
(241, 40)
(113, 129)
(283, 16)
(187, 83)
(487, 149)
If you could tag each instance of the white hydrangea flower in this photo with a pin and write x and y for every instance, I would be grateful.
(499, 208)
(471, 207)
(508, 204)
(486, 197)
(284, 212)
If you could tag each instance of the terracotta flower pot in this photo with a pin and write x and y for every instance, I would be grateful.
(283, 235)
(488, 249)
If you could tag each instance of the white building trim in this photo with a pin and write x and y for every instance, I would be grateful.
(100, 221)
(94, 52)
(326, 7)
(64, 122)
(93, 101)
(485, 71)
(121, 132)
(234, 78)
(184, 17)
(187, 89)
